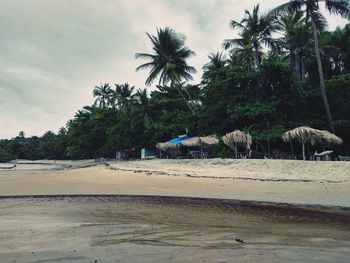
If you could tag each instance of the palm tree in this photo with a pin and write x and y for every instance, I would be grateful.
(216, 63)
(62, 131)
(143, 100)
(295, 40)
(124, 94)
(313, 14)
(255, 33)
(242, 52)
(102, 94)
(113, 100)
(168, 61)
(336, 46)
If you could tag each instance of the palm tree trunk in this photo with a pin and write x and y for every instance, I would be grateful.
(256, 58)
(291, 59)
(303, 72)
(320, 71)
(188, 95)
(184, 98)
(297, 66)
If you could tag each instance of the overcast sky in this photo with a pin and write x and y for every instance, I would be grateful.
(53, 53)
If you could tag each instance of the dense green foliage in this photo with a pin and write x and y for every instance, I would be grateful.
(264, 86)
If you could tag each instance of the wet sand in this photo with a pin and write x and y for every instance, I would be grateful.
(145, 229)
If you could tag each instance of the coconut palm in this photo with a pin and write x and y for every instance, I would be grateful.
(255, 33)
(123, 94)
(295, 40)
(168, 61)
(311, 8)
(336, 47)
(216, 63)
(143, 100)
(243, 52)
(113, 100)
(102, 94)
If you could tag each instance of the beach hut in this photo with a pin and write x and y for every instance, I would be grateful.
(171, 146)
(200, 142)
(309, 135)
(236, 138)
(166, 147)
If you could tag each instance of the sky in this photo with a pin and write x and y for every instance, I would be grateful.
(53, 53)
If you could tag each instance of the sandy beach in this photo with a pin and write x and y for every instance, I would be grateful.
(175, 211)
(280, 181)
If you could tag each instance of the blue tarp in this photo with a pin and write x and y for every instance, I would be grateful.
(179, 139)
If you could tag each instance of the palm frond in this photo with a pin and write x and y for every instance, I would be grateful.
(153, 75)
(230, 43)
(293, 5)
(320, 20)
(338, 7)
(168, 61)
(144, 56)
(235, 24)
(145, 66)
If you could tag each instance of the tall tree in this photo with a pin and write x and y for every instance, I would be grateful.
(143, 100)
(313, 13)
(168, 61)
(217, 62)
(124, 94)
(102, 94)
(295, 40)
(336, 47)
(255, 33)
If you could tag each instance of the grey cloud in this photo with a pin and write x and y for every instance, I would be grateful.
(52, 53)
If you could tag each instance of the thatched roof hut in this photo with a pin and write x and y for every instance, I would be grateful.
(303, 135)
(200, 141)
(330, 138)
(236, 138)
(309, 135)
(166, 146)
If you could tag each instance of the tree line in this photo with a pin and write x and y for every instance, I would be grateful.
(285, 69)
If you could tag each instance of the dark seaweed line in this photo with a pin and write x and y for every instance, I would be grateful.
(283, 208)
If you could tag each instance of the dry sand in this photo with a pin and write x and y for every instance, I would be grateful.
(323, 183)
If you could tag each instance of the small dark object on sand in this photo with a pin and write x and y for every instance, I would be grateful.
(239, 240)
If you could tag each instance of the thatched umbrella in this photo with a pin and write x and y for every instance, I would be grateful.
(166, 146)
(236, 138)
(303, 135)
(309, 135)
(330, 138)
(200, 141)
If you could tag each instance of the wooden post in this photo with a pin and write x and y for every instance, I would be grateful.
(303, 145)
(236, 151)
